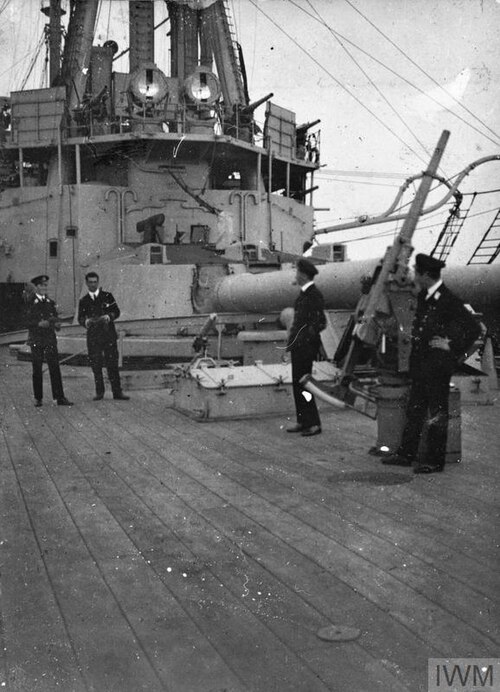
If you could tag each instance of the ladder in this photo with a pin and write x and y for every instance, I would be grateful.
(230, 33)
(451, 229)
(489, 246)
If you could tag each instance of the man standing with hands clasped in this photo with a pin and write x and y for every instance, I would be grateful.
(304, 343)
(443, 332)
(97, 312)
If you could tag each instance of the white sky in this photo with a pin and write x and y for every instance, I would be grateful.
(391, 133)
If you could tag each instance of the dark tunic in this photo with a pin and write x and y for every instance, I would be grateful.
(444, 315)
(43, 344)
(101, 338)
(304, 343)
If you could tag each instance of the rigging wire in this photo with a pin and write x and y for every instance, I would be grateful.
(420, 228)
(109, 21)
(334, 179)
(33, 60)
(337, 81)
(481, 192)
(44, 79)
(382, 64)
(254, 52)
(480, 213)
(9, 69)
(15, 77)
(421, 69)
(363, 71)
(98, 14)
(384, 234)
(452, 177)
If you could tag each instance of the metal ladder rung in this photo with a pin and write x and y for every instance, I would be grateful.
(450, 232)
(489, 246)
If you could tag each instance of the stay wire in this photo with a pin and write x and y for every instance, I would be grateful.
(413, 62)
(389, 69)
(363, 71)
(98, 14)
(34, 60)
(337, 81)
(109, 21)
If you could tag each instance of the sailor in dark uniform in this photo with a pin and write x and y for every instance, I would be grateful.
(443, 332)
(97, 312)
(43, 321)
(304, 343)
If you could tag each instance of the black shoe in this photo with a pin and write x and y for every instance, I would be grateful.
(396, 460)
(295, 428)
(98, 397)
(38, 402)
(428, 468)
(121, 397)
(313, 430)
(64, 402)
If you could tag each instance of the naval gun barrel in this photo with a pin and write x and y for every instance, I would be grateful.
(340, 284)
(306, 126)
(252, 106)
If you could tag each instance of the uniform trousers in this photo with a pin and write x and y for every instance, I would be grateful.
(104, 352)
(307, 411)
(429, 396)
(49, 350)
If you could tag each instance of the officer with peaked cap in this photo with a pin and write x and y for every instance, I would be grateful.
(304, 343)
(43, 321)
(97, 312)
(443, 332)
(425, 264)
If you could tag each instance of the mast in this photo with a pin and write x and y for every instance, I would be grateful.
(184, 39)
(220, 37)
(141, 29)
(53, 32)
(77, 50)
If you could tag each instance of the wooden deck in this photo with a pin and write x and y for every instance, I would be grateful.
(143, 551)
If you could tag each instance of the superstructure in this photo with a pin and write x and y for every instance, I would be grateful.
(159, 176)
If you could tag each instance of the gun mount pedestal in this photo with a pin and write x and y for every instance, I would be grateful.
(391, 419)
(391, 398)
(381, 329)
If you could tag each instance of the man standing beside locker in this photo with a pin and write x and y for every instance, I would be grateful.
(443, 333)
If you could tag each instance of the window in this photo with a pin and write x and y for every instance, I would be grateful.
(52, 248)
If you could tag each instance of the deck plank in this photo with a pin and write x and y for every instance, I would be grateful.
(405, 501)
(97, 629)
(375, 512)
(261, 486)
(214, 552)
(28, 597)
(220, 557)
(134, 606)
